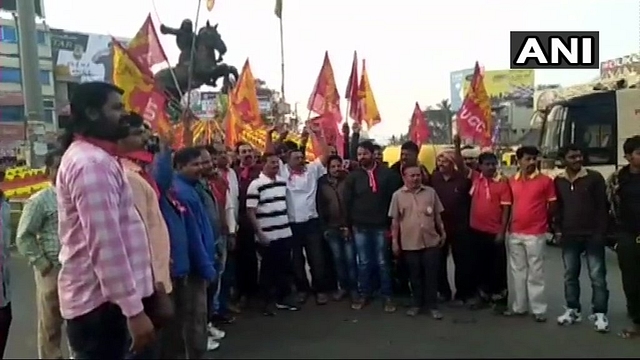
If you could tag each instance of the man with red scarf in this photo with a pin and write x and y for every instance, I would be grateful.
(367, 195)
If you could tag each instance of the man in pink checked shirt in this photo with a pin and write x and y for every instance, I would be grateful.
(106, 265)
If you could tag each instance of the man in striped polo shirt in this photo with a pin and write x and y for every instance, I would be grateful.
(267, 211)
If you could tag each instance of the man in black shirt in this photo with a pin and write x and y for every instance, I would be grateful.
(580, 226)
(623, 192)
(367, 194)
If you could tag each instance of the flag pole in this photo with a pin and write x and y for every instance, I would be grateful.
(282, 59)
(347, 110)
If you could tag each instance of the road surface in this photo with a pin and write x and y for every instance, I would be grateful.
(335, 331)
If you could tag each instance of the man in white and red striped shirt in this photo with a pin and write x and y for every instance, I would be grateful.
(106, 265)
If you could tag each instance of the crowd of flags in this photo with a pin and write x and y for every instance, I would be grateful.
(242, 120)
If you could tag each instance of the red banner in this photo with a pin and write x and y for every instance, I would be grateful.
(418, 129)
(474, 117)
(329, 131)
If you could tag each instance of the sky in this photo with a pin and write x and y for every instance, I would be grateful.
(410, 46)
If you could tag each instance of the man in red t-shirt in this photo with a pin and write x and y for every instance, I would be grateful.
(490, 207)
(534, 199)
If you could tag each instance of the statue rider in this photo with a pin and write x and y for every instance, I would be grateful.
(184, 39)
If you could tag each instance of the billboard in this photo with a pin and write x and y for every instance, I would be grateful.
(625, 65)
(516, 86)
(81, 57)
(456, 82)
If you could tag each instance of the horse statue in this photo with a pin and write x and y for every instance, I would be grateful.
(201, 54)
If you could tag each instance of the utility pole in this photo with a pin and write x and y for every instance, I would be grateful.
(30, 69)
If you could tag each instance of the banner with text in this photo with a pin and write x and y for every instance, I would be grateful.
(82, 57)
(624, 65)
(508, 85)
(456, 82)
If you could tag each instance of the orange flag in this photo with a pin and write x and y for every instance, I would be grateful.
(474, 117)
(232, 128)
(352, 94)
(244, 99)
(140, 92)
(145, 47)
(324, 97)
(368, 107)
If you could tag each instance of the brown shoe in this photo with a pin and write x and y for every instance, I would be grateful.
(302, 297)
(322, 299)
(235, 309)
(389, 306)
(339, 295)
(413, 311)
(358, 303)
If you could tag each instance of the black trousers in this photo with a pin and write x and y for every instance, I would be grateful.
(275, 270)
(400, 274)
(246, 279)
(490, 266)
(100, 334)
(628, 250)
(307, 239)
(5, 325)
(423, 266)
(459, 243)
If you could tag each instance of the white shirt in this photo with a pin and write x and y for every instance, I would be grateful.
(232, 179)
(301, 191)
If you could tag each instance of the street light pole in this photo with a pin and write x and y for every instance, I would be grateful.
(30, 68)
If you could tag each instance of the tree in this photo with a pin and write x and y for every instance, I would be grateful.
(397, 140)
(439, 121)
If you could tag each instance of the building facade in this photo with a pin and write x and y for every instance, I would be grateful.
(12, 113)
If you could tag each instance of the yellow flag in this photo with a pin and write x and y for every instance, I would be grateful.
(368, 105)
(210, 4)
(140, 94)
(128, 76)
(278, 10)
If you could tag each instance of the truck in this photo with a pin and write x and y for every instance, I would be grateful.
(596, 116)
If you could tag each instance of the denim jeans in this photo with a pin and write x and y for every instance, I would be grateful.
(572, 249)
(373, 258)
(223, 284)
(344, 259)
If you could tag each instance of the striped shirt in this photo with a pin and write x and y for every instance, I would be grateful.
(104, 246)
(269, 198)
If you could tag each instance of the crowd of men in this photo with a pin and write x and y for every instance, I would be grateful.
(132, 245)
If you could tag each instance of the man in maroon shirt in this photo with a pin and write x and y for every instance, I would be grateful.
(452, 184)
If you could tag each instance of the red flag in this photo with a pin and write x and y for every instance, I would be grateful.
(351, 94)
(474, 117)
(418, 129)
(325, 98)
(145, 47)
(329, 131)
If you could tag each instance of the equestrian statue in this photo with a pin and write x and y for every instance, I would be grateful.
(206, 49)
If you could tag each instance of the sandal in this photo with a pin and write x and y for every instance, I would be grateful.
(629, 333)
(413, 311)
(389, 306)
